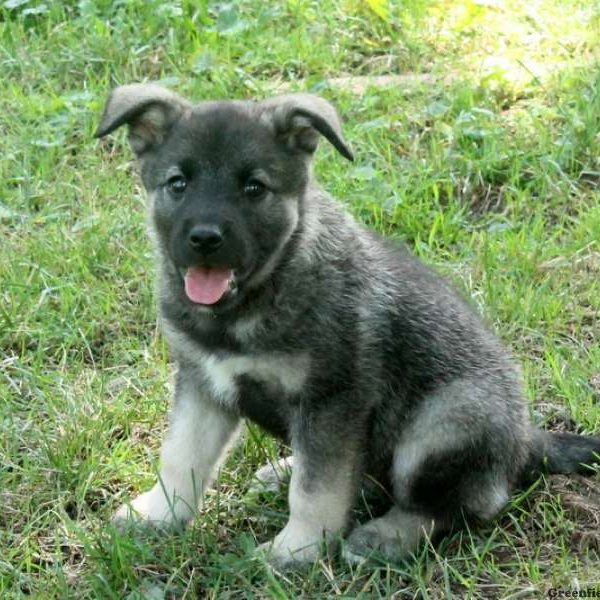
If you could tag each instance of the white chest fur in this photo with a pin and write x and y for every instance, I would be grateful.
(281, 371)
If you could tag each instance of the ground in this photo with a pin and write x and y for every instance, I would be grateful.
(475, 127)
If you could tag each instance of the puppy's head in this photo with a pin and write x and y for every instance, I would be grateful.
(226, 181)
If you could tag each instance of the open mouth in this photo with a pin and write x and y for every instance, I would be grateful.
(208, 285)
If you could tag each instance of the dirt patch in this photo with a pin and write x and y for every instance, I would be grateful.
(358, 84)
(580, 497)
(520, 74)
(485, 198)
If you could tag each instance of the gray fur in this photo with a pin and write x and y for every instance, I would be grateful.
(338, 341)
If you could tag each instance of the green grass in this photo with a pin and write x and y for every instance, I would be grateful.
(487, 165)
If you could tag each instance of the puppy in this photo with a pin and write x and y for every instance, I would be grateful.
(280, 308)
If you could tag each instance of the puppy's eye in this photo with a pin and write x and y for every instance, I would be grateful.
(177, 184)
(253, 188)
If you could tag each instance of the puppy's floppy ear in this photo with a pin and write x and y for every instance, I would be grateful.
(148, 109)
(301, 117)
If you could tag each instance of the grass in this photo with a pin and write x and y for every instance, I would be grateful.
(485, 163)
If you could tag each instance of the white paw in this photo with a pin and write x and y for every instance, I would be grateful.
(155, 508)
(293, 546)
(353, 559)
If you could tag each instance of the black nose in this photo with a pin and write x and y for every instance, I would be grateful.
(205, 238)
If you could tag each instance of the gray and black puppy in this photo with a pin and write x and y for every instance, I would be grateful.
(280, 308)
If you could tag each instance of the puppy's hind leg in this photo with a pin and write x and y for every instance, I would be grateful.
(455, 458)
(400, 531)
(462, 451)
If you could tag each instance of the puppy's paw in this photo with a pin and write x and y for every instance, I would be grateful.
(367, 543)
(291, 549)
(155, 509)
(285, 559)
(272, 476)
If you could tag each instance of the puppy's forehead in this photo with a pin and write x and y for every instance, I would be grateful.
(233, 112)
(225, 127)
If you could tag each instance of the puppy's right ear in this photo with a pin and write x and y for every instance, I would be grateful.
(148, 109)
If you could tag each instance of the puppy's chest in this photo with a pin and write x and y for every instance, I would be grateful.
(248, 382)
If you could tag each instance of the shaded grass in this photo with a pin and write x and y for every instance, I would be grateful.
(490, 174)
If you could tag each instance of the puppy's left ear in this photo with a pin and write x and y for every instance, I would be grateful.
(148, 109)
(300, 118)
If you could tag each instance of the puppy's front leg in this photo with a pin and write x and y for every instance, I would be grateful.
(198, 434)
(321, 493)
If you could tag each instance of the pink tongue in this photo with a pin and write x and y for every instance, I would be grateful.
(205, 285)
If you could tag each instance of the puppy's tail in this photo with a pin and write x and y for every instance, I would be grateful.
(561, 453)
